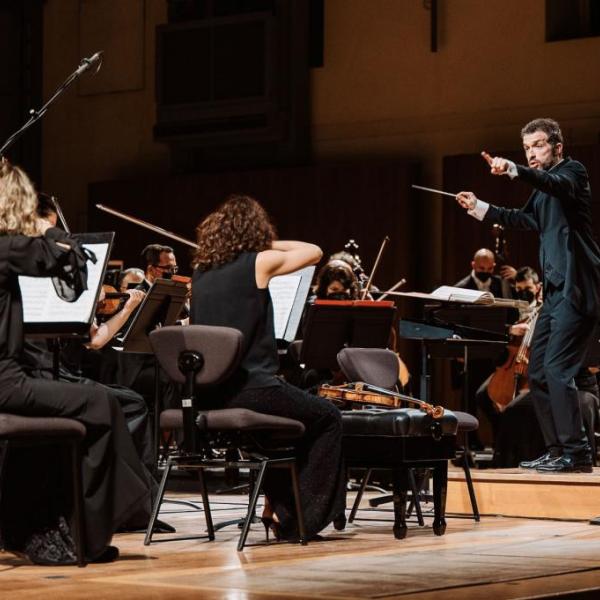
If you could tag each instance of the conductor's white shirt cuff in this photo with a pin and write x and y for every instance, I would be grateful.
(512, 169)
(480, 210)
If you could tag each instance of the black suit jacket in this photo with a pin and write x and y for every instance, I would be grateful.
(468, 283)
(560, 211)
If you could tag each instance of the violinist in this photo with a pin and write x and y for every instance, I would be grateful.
(237, 256)
(559, 209)
(159, 263)
(130, 278)
(336, 281)
(34, 519)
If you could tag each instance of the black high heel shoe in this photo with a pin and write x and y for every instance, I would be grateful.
(271, 526)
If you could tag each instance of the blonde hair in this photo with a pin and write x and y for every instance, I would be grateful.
(18, 202)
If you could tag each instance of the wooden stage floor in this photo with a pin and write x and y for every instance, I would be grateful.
(496, 558)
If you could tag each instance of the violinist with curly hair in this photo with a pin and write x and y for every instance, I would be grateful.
(238, 254)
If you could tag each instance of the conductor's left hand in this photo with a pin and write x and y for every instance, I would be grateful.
(498, 165)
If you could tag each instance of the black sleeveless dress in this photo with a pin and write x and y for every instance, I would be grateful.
(228, 296)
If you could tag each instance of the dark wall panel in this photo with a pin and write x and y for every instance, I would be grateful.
(323, 204)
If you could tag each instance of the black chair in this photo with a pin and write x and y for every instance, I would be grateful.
(201, 357)
(380, 367)
(24, 432)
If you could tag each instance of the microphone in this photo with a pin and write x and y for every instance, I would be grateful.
(88, 63)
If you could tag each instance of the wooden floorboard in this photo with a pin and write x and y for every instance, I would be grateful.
(496, 558)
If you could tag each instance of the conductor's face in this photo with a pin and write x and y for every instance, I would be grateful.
(539, 152)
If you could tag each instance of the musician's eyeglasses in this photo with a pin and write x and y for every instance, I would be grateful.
(168, 268)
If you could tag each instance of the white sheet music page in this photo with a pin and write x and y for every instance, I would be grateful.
(41, 304)
(283, 291)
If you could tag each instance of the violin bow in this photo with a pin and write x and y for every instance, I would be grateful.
(386, 239)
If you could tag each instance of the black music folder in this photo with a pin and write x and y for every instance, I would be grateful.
(160, 307)
(45, 314)
(335, 324)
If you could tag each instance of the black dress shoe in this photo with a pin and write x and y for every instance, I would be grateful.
(108, 555)
(568, 464)
(542, 460)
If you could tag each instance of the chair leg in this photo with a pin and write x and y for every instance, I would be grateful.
(469, 480)
(298, 502)
(78, 503)
(440, 487)
(158, 502)
(252, 505)
(207, 514)
(359, 495)
(400, 482)
(415, 498)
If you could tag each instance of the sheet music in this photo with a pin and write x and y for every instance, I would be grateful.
(41, 303)
(453, 294)
(283, 291)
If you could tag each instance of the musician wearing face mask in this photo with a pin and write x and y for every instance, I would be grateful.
(482, 276)
(336, 281)
(528, 288)
(159, 263)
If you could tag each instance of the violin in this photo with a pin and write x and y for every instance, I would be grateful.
(361, 394)
(112, 301)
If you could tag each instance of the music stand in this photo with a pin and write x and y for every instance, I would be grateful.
(160, 308)
(335, 324)
(46, 315)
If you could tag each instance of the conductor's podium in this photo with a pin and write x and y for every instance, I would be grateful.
(398, 440)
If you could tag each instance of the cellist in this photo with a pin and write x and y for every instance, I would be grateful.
(529, 288)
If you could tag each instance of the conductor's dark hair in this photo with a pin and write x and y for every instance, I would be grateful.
(525, 273)
(549, 126)
(151, 254)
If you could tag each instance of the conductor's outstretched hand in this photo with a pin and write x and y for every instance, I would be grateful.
(498, 165)
(467, 200)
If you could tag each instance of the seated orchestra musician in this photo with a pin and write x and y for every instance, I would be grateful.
(34, 517)
(336, 281)
(159, 262)
(137, 371)
(482, 276)
(130, 278)
(237, 256)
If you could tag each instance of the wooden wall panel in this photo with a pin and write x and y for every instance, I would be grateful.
(117, 28)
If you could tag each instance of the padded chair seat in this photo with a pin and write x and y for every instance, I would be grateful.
(466, 421)
(235, 419)
(14, 427)
(396, 423)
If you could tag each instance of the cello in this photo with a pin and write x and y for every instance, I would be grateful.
(510, 378)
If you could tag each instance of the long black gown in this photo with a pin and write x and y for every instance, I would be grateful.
(228, 296)
(116, 485)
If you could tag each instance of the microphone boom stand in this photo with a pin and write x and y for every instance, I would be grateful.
(36, 115)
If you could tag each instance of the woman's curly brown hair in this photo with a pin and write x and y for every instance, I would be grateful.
(239, 225)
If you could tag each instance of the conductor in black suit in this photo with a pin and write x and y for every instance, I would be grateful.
(482, 276)
(559, 209)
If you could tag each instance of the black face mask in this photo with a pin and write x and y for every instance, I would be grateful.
(338, 296)
(482, 275)
(526, 295)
